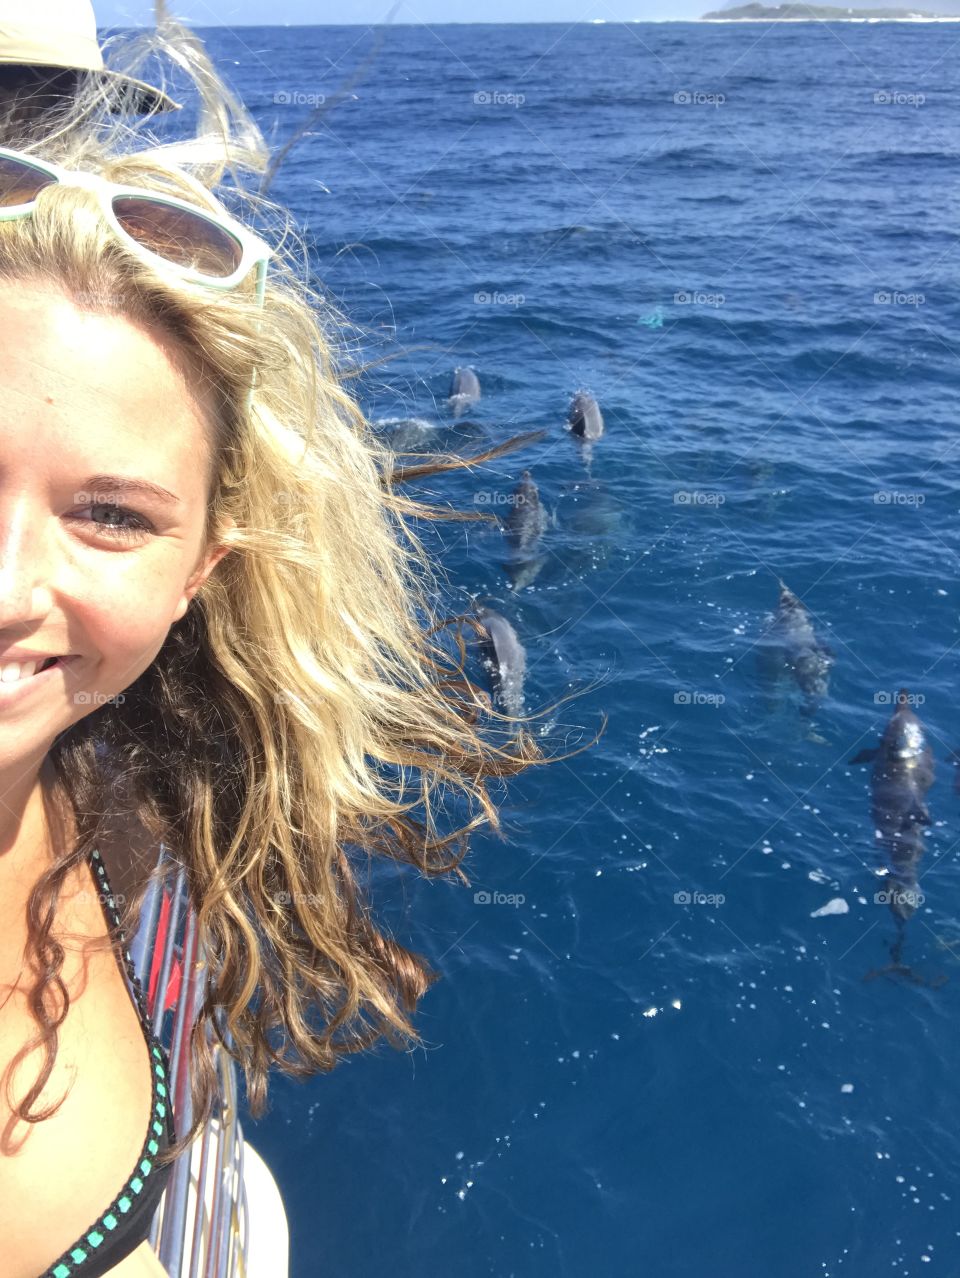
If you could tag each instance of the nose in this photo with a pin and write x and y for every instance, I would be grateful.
(24, 561)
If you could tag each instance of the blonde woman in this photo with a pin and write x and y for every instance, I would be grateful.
(214, 633)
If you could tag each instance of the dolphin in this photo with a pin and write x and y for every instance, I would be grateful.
(417, 435)
(464, 390)
(523, 528)
(527, 520)
(585, 418)
(504, 659)
(903, 770)
(792, 647)
(406, 434)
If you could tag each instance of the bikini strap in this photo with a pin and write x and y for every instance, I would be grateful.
(113, 915)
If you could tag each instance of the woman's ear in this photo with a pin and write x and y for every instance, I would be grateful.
(205, 568)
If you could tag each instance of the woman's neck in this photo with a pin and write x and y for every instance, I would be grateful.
(33, 827)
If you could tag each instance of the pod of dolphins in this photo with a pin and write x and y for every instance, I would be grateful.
(790, 650)
(903, 761)
(502, 653)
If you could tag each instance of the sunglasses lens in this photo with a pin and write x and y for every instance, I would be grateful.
(186, 239)
(20, 182)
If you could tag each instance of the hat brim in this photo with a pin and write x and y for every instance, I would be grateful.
(135, 94)
(122, 92)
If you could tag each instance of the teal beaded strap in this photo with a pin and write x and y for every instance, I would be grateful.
(106, 895)
(78, 1258)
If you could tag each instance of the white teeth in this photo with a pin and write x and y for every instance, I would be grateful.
(12, 672)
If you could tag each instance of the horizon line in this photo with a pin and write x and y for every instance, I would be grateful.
(593, 22)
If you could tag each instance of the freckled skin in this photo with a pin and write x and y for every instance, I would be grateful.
(85, 394)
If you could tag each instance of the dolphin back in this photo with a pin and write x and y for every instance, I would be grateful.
(585, 417)
(504, 658)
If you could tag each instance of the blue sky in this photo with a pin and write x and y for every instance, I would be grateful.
(246, 12)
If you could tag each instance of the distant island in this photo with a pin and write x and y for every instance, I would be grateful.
(818, 13)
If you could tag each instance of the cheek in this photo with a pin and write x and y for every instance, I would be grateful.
(121, 622)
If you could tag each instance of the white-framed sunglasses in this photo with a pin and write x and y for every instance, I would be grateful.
(199, 245)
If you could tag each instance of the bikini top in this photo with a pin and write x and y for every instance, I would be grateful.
(126, 1221)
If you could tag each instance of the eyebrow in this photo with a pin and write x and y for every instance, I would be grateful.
(127, 484)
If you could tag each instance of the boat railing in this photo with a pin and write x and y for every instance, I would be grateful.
(201, 1228)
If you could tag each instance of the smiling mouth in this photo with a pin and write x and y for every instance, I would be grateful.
(16, 667)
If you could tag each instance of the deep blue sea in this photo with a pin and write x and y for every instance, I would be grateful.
(743, 240)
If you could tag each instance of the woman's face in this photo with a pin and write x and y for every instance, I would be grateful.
(89, 569)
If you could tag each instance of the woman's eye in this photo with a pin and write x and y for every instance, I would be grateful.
(134, 527)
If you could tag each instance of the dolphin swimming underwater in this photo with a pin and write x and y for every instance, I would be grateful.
(504, 658)
(527, 520)
(903, 771)
(585, 418)
(406, 434)
(523, 528)
(791, 647)
(464, 390)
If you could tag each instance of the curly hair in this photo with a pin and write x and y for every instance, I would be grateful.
(302, 715)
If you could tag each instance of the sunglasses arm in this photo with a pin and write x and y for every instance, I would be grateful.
(261, 281)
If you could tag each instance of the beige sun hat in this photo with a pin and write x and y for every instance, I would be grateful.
(63, 34)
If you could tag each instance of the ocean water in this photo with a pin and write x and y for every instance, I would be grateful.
(758, 279)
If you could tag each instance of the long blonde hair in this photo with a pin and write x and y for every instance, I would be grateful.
(302, 716)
